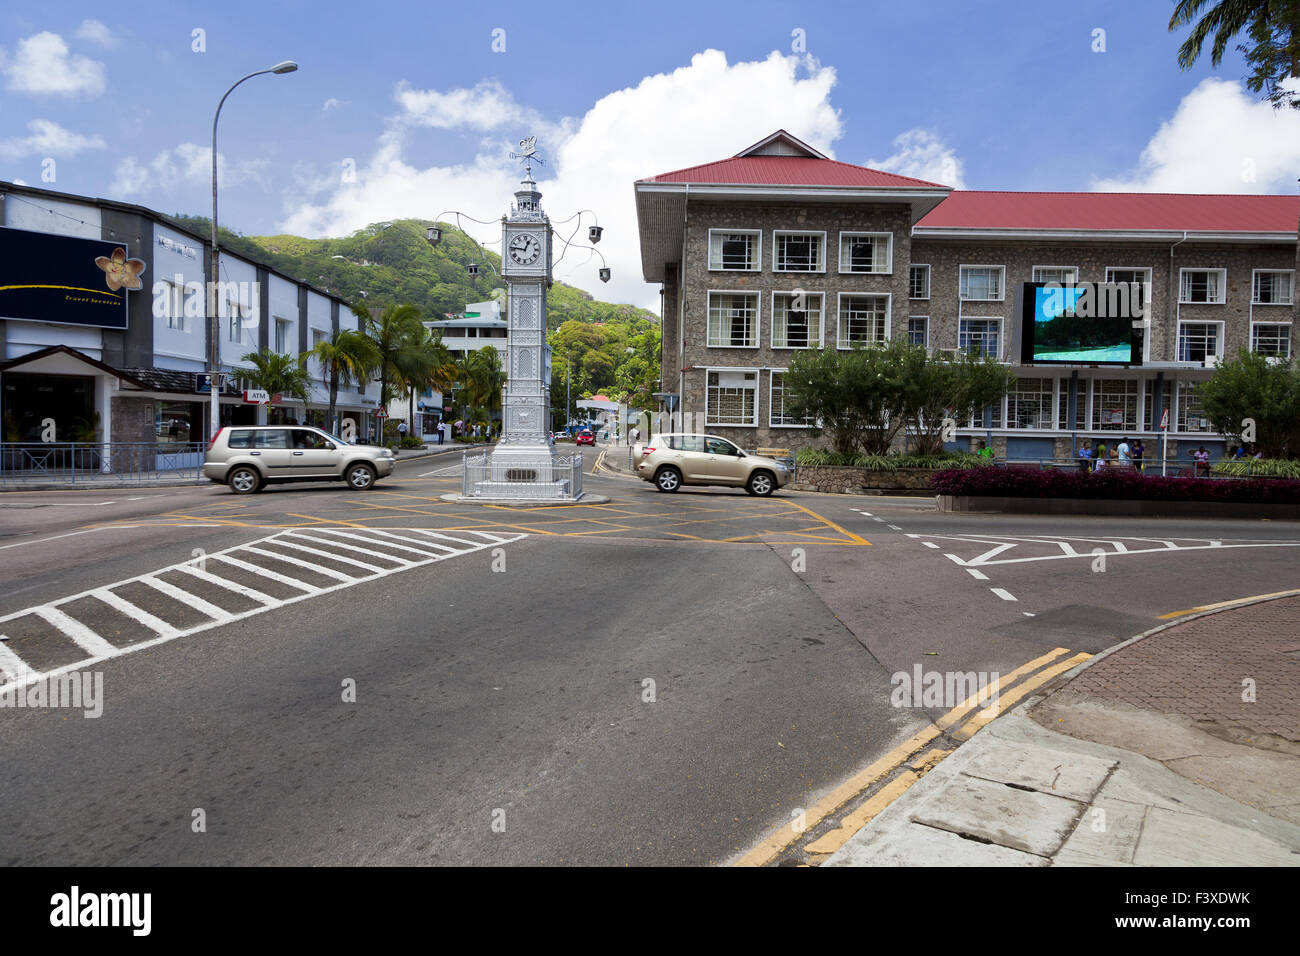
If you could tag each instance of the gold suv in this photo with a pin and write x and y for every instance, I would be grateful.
(671, 461)
(249, 458)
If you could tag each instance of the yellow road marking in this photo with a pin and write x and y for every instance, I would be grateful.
(1007, 700)
(832, 840)
(950, 718)
(1223, 604)
(848, 534)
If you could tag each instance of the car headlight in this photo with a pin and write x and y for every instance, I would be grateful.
(386, 453)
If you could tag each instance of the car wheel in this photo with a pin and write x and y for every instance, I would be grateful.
(244, 481)
(761, 483)
(360, 477)
(668, 479)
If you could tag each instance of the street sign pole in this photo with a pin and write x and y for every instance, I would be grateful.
(1164, 443)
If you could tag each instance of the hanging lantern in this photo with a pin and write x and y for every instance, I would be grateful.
(604, 275)
(472, 269)
(433, 235)
(594, 233)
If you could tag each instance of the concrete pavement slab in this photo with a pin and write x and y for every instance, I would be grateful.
(1076, 776)
(1024, 820)
(919, 845)
(1187, 839)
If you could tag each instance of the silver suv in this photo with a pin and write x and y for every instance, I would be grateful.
(670, 461)
(247, 459)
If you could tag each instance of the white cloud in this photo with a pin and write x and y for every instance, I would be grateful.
(333, 104)
(921, 154)
(43, 64)
(96, 32)
(48, 139)
(705, 111)
(1219, 140)
(187, 165)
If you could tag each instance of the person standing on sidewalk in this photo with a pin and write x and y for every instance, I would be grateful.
(401, 431)
(1085, 457)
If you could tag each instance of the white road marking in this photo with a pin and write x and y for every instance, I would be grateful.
(957, 560)
(913, 535)
(895, 527)
(1027, 614)
(302, 535)
(1004, 594)
(82, 636)
(299, 562)
(16, 672)
(977, 575)
(930, 544)
(1061, 541)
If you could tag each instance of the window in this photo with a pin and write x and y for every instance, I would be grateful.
(918, 330)
(980, 336)
(720, 446)
(731, 398)
(1114, 405)
(1201, 286)
(1272, 288)
(271, 438)
(981, 283)
(778, 417)
(734, 250)
(800, 252)
(235, 332)
(1196, 340)
(686, 442)
(1191, 416)
(864, 319)
(866, 252)
(1127, 275)
(240, 438)
(1063, 406)
(1061, 275)
(1166, 403)
(173, 305)
(282, 335)
(173, 421)
(1272, 339)
(1029, 403)
(733, 320)
(317, 337)
(918, 282)
(796, 320)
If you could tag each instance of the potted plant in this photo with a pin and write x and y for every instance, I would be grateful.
(85, 432)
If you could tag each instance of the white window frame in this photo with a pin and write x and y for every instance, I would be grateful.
(758, 316)
(841, 342)
(288, 331)
(984, 318)
(235, 334)
(821, 322)
(1147, 286)
(776, 248)
(1033, 274)
(175, 306)
(926, 320)
(1254, 287)
(758, 250)
(1052, 402)
(1002, 282)
(708, 409)
(1290, 340)
(1178, 337)
(1223, 287)
(771, 386)
(889, 254)
(926, 267)
(1178, 415)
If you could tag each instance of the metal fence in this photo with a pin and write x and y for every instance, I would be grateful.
(540, 479)
(1171, 467)
(98, 463)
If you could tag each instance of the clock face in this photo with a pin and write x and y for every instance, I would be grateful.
(525, 249)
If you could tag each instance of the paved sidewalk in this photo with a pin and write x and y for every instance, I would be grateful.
(1180, 748)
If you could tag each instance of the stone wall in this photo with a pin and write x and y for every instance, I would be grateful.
(847, 480)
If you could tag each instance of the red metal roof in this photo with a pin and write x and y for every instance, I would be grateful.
(789, 171)
(1172, 212)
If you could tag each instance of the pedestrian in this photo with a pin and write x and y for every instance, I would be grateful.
(1238, 451)
(1085, 457)
(984, 451)
(1258, 453)
(1202, 459)
(1124, 452)
(634, 435)
(1139, 453)
(401, 431)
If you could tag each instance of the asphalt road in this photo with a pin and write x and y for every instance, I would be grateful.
(659, 680)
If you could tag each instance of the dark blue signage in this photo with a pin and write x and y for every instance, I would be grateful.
(64, 279)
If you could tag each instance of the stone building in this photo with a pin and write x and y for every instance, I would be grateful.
(780, 249)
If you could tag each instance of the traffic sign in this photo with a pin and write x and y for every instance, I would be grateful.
(381, 411)
(1164, 420)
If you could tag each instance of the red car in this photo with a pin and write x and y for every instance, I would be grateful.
(586, 438)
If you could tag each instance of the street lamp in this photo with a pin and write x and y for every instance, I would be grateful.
(214, 330)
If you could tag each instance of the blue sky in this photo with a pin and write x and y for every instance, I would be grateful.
(413, 99)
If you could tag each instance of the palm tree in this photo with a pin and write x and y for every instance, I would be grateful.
(279, 374)
(483, 379)
(1273, 27)
(392, 333)
(347, 356)
(421, 363)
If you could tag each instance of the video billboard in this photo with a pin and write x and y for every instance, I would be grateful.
(1085, 323)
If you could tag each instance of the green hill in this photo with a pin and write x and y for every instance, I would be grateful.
(390, 262)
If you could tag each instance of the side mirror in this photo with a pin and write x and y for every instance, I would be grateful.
(330, 446)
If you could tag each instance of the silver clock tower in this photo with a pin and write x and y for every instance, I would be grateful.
(523, 465)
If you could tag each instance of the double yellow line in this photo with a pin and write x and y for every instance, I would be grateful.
(1052, 664)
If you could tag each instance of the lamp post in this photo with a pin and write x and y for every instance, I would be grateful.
(214, 330)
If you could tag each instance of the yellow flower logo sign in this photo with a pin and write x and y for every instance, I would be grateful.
(121, 272)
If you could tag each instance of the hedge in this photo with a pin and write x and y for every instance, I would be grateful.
(813, 456)
(1112, 483)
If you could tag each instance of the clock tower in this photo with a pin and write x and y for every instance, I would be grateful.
(524, 466)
